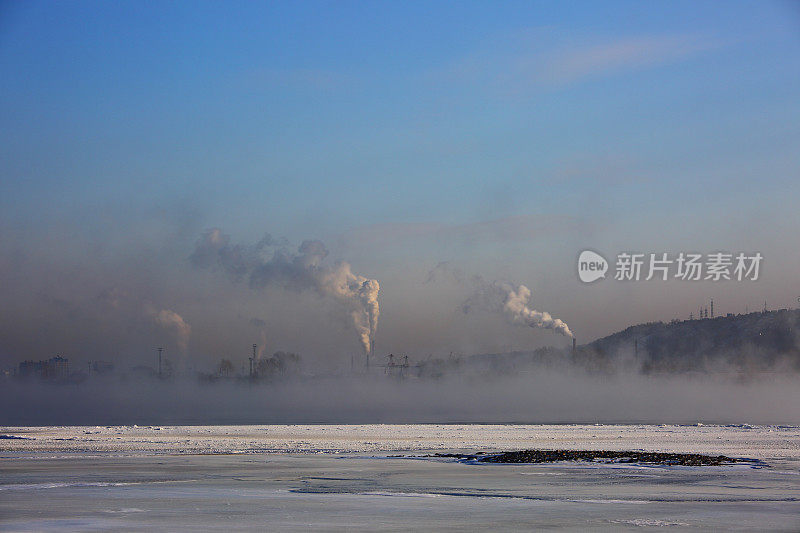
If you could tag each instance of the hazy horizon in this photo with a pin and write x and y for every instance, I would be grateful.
(444, 151)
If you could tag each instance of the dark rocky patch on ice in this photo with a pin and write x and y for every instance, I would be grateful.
(601, 456)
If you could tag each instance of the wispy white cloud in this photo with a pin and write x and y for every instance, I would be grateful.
(542, 59)
(626, 54)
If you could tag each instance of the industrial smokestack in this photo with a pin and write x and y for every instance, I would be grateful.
(574, 345)
(303, 269)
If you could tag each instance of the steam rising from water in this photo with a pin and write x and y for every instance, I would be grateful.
(530, 395)
(270, 262)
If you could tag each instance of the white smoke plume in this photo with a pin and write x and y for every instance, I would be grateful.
(171, 320)
(517, 311)
(512, 302)
(271, 262)
(349, 288)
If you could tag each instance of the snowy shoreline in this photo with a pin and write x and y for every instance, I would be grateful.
(760, 442)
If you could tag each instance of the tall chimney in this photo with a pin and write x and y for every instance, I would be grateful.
(574, 343)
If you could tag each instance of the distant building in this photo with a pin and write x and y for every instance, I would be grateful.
(54, 368)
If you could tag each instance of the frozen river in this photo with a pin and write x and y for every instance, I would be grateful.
(338, 477)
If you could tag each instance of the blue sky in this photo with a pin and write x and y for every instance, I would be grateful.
(501, 136)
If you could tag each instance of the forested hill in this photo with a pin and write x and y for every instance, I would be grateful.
(751, 342)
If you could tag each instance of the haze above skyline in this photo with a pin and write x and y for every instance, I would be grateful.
(499, 139)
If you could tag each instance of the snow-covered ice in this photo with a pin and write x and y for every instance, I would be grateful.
(338, 477)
